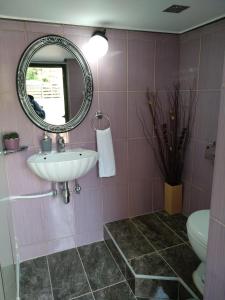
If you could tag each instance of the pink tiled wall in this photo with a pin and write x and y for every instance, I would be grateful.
(201, 66)
(215, 288)
(135, 61)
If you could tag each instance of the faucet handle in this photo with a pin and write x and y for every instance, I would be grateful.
(59, 138)
(60, 143)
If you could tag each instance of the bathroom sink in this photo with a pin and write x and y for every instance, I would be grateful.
(63, 166)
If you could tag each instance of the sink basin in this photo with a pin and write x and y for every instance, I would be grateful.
(63, 166)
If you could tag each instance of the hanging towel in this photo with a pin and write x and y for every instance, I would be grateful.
(106, 165)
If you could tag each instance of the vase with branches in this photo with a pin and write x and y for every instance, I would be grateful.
(172, 121)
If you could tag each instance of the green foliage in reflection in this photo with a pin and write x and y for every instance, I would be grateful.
(32, 74)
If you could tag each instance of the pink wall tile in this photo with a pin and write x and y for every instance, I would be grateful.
(78, 30)
(212, 54)
(28, 221)
(113, 67)
(114, 104)
(138, 115)
(186, 197)
(115, 202)
(45, 28)
(32, 251)
(215, 288)
(88, 211)
(141, 56)
(12, 25)
(200, 199)
(218, 191)
(189, 62)
(167, 59)
(58, 245)
(89, 237)
(140, 198)
(140, 161)
(206, 119)
(9, 58)
(158, 194)
(203, 170)
(58, 218)
(142, 35)
(188, 166)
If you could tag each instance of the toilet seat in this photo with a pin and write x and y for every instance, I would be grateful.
(198, 226)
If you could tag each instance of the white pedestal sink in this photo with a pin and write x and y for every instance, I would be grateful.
(63, 166)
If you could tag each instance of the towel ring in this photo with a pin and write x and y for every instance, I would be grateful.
(99, 116)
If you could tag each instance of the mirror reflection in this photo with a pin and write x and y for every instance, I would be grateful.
(55, 84)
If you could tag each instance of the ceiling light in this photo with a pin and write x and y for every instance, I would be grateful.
(98, 43)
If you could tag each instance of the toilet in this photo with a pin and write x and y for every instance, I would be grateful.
(197, 229)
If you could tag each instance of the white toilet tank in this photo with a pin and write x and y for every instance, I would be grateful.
(197, 229)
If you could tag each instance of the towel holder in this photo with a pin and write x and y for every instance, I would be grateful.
(99, 116)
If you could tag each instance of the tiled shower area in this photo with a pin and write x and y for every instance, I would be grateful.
(146, 257)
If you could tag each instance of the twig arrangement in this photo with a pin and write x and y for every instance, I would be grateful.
(172, 124)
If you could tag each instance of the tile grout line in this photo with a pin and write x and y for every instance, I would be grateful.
(120, 270)
(156, 251)
(76, 249)
(127, 139)
(50, 277)
(81, 296)
(119, 250)
(135, 225)
(178, 277)
(114, 259)
(108, 286)
(127, 262)
(130, 289)
(164, 223)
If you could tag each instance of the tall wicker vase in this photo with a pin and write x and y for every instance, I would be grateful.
(173, 198)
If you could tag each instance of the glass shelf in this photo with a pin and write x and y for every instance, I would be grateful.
(21, 148)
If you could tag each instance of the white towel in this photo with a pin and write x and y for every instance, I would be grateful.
(106, 165)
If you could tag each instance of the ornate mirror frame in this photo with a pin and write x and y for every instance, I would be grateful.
(21, 83)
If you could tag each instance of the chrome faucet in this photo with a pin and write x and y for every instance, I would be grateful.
(60, 143)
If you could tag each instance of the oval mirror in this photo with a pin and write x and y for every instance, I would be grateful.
(54, 84)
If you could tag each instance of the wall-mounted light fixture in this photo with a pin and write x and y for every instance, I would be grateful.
(98, 43)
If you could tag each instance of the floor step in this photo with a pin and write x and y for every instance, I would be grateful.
(154, 255)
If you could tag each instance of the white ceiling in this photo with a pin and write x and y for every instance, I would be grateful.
(123, 14)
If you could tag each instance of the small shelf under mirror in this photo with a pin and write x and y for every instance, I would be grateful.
(21, 148)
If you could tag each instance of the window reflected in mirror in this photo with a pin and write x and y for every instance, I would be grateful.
(46, 90)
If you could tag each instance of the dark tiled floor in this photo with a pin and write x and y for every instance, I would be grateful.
(120, 291)
(171, 257)
(67, 275)
(100, 267)
(183, 260)
(160, 236)
(151, 245)
(129, 239)
(86, 273)
(35, 280)
(151, 264)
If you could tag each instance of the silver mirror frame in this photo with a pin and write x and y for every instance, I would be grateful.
(21, 83)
